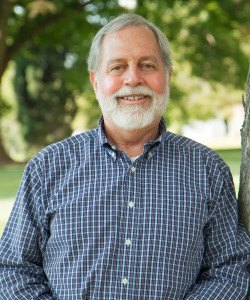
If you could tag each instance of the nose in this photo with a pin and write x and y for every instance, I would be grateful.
(133, 77)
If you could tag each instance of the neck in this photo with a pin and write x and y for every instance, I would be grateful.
(131, 141)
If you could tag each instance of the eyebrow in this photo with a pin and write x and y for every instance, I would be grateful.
(122, 60)
(150, 57)
(115, 60)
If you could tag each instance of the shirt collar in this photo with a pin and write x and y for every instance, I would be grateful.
(162, 129)
(101, 134)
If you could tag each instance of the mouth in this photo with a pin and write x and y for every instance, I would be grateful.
(133, 98)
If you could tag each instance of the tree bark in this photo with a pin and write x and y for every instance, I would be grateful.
(244, 191)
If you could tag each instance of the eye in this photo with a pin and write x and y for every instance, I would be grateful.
(148, 66)
(116, 68)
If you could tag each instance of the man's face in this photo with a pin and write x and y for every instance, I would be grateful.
(131, 84)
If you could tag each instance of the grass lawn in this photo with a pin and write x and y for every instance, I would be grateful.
(10, 177)
(233, 158)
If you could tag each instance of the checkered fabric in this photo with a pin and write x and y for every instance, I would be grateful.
(89, 223)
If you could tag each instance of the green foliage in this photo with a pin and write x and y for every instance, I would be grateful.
(46, 106)
(208, 35)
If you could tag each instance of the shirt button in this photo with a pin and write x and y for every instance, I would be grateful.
(125, 281)
(113, 147)
(133, 169)
(131, 204)
(128, 242)
(149, 154)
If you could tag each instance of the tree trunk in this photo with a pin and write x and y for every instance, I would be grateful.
(244, 192)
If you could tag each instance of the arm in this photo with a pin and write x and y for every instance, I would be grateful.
(21, 267)
(225, 269)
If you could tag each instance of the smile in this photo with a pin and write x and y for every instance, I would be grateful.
(133, 98)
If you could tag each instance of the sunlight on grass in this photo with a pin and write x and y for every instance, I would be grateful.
(5, 208)
(233, 159)
(10, 177)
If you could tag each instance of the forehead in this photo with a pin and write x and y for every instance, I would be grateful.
(130, 42)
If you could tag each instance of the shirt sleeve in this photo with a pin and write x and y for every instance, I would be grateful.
(21, 267)
(225, 269)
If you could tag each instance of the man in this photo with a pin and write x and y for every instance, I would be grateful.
(127, 210)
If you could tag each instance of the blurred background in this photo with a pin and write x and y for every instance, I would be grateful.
(45, 91)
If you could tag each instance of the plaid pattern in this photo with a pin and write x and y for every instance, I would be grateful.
(88, 223)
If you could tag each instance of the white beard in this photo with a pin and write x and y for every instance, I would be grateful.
(134, 116)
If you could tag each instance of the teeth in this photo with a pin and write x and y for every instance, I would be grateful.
(133, 98)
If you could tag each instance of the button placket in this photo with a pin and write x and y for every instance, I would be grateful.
(149, 154)
(128, 232)
(131, 204)
(128, 242)
(124, 281)
(133, 169)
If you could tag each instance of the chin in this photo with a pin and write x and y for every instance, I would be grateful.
(133, 121)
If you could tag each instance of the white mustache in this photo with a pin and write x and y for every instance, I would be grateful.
(138, 90)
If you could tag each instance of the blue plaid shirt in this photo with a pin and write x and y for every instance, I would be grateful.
(88, 223)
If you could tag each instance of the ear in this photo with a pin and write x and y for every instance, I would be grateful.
(170, 72)
(169, 76)
(93, 80)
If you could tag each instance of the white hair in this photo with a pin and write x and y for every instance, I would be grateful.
(119, 23)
